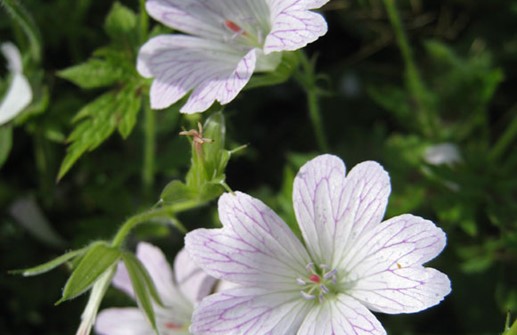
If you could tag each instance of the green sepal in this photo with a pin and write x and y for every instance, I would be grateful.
(99, 258)
(215, 161)
(143, 286)
(175, 192)
(286, 68)
(512, 330)
(34, 271)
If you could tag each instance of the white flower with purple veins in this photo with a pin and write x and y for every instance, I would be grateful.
(179, 292)
(349, 263)
(228, 40)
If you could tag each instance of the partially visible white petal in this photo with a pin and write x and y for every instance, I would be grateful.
(159, 269)
(250, 311)
(255, 247)
(13, 56)
(191, 280)
(122, 321)
(180, 63)
(387, 273)
(18, 96)
(343, 315)
(122, 281)
(334, 212)
(293, 26)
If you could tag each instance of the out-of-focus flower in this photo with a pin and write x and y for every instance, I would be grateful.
(350, 264)
(228, 40)
(19, 93)
(444, 153)
(179, 291)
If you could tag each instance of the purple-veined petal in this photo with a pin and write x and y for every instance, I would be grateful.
(343, 315)
(191, 280)
(315, 189)
(333, 211)
(387, 273)
(210, 19)
(180, 63)
(122, 321)
(250, 311)
(254, 247)
(293, 26)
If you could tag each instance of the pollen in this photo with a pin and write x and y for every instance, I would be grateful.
(232, 26)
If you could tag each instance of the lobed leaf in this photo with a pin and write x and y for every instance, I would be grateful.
(93, 73)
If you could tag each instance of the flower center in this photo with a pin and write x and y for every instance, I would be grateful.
(246, 32)
(319, 282)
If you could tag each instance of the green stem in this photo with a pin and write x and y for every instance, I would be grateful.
(504, 141)
(414, 82)
(144, 22)
(168, 211)
(308, 81)
(21, 16)
(149, 149)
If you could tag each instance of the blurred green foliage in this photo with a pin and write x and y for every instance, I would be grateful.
(454, 83)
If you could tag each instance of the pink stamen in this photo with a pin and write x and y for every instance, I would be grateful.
(314, 278)
(232, 26)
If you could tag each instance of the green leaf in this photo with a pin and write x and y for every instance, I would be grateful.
(6, 143)
(98, 120)
(94, 263)
(94, 73)
(49, 265)
(143, 286)
(120, 22)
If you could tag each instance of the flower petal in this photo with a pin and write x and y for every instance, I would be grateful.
(192, 281)
(254, 247)
(180, 63)
(334, 211)
(156, 264)
(122, 321)
(250, 311)
(344, 315)
(159, 269)
(388, 272)
(209, 19)
(293, 26)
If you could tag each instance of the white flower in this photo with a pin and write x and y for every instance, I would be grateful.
(444, 153)
(349, 263)
(228, 40)
(179, 292)
(19, 93)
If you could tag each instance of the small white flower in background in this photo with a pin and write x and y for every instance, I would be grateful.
(19, 93)
(444, 153)
(228, 40)
(350, 263)
(179, 292)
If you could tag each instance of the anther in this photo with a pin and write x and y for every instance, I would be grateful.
(307, 296)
